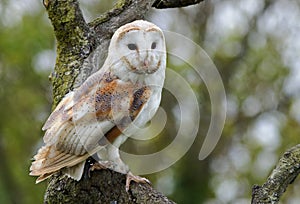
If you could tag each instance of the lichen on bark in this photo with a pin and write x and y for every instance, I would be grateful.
(74, 42)
(285, 172)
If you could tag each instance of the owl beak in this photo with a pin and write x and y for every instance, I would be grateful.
(146, 63)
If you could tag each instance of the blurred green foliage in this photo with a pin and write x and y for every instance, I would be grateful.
(255, 46)
(23, 91)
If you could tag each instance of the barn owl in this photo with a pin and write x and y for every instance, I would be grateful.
(96, 118)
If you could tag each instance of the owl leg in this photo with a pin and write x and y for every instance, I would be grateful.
(118, 164)
(101, 165)
(130, 177)
(94, 163)
(121, 167)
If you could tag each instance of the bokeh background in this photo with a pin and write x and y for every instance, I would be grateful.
(255, 44)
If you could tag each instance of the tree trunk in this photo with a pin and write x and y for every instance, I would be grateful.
(81, 51)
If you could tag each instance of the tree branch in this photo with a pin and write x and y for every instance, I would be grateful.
(162, 4)
(104, 186)
(284, 174)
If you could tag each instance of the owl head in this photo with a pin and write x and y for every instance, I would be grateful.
(138, 48)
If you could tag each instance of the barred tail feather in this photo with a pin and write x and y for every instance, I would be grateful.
(48, 161)
(75, 172)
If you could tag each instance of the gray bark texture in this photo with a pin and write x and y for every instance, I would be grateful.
(103, 186)
(81, 51)
(285, 172)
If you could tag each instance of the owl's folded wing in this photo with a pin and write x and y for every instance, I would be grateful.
(48, 160)
(63, 111)
(74, 130)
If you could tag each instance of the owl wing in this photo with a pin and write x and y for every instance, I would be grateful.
(63, 111)
(82, 118)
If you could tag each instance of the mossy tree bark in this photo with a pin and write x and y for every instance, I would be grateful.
(81, 51)
(285, 172)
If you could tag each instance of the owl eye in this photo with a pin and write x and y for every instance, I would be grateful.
(132, 46)
(153, 46)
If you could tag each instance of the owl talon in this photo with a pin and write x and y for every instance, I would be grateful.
(99, 166)
(130, 177)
